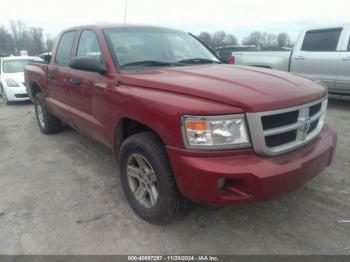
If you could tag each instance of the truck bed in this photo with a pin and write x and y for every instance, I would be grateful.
(278, 60)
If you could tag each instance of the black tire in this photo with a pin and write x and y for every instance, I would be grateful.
(50, 124)
(4, 96)
(169, 201)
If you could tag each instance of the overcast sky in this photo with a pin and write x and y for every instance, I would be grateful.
(233, 16)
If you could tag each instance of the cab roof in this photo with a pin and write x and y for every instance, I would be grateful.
(106, 26)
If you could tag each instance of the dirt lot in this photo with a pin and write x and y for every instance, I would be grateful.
(60, 194)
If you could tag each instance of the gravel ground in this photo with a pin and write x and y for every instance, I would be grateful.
(60, 194)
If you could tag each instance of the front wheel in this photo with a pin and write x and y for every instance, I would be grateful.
(48, 123)
(3, 95)
(147, 179)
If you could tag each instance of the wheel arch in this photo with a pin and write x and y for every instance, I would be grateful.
(34, 88)
(126, 127)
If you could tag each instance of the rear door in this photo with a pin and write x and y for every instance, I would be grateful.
(58, 74)
(343, 77)
(318, 54)
(90, 91)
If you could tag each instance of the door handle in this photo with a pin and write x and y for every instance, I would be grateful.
(74, 82)
(346, 58)
(300, 57)
(50, 76)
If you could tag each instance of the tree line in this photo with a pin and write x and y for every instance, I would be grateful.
(19, 37)
(256, 38)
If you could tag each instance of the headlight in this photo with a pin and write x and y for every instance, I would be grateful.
(11, 83)
(215, 132)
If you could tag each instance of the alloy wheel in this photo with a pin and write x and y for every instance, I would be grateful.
(40, 115)
(142, 180)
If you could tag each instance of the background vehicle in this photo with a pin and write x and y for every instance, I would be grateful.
(321, 53)
(12, 87)
(225, 52)
(181, 124)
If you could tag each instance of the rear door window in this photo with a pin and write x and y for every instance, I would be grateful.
(325, 40)
(64, 50)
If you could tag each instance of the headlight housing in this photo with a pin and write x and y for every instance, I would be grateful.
(11, 83)
(215, 132)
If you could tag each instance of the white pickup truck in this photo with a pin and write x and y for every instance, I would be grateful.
(320, 53)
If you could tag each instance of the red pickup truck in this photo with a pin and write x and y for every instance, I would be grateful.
(181, 124)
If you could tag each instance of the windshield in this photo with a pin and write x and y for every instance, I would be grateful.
(133, 45)
(14, 66)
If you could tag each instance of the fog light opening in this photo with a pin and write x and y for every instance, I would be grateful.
(237, 187)
(221, 182)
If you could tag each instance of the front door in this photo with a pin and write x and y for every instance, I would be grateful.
(318, 55)
(90, 92)
(343, 77)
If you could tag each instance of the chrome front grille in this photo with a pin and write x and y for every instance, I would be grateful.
(276, 132)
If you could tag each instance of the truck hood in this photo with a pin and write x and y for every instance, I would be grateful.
(249, 88)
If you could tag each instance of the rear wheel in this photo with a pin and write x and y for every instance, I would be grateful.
(147, 178)
(48, 123)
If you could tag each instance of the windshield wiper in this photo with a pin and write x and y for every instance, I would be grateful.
(198, 61)
(150, 63)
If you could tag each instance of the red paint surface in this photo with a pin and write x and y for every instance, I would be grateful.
(159, 97)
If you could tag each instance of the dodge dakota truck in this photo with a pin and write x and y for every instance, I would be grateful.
(180, 124)
(319, 53)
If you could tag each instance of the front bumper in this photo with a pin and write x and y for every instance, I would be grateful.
(16, 93)
(249, 176)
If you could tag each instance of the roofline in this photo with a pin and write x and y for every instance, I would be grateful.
(326, 27)
(113, 25)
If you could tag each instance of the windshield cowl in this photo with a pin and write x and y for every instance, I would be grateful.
(150, 63)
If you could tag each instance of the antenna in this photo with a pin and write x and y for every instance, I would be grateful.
(126, 8)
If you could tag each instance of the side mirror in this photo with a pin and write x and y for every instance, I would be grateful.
(87, 63)
(46, 58)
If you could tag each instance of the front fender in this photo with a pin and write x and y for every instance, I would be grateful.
(161, 111)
